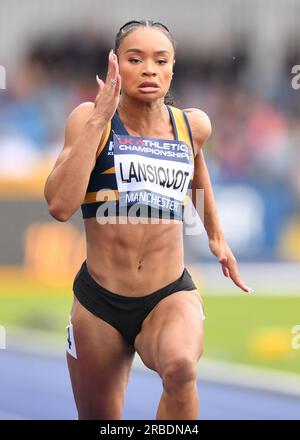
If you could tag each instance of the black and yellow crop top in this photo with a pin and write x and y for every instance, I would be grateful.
(142, 177)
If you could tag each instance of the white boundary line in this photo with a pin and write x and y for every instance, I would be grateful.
(266, 379)
(267, 279)
(11, 416)
(231, 373)
(38, 342)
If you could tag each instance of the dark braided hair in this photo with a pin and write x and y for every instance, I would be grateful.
(133, 24)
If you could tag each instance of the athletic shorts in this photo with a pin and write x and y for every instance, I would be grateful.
(125, 313)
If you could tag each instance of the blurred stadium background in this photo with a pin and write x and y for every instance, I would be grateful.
(236, 60)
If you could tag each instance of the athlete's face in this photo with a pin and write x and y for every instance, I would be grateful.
(146, 55)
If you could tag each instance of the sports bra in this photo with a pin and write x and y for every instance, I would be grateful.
(140, 176)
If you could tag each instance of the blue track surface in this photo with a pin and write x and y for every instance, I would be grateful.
(38, 387)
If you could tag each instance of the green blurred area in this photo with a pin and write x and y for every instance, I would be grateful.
(250, 329)
(34, 305)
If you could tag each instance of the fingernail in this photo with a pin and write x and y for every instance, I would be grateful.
(250, 289)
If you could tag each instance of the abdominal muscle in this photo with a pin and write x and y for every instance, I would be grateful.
(134, 259)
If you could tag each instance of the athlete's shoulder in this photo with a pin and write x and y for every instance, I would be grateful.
(82, 111)
(199, 122)
(200, 126)
(197, 114)
(77, 119)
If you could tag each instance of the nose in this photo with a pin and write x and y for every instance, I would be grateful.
(149, 69)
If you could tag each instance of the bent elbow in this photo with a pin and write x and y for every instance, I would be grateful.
(58, 213)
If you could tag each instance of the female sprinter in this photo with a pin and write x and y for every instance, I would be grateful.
(133, 292)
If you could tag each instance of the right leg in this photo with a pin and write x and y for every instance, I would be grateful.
(99, 375)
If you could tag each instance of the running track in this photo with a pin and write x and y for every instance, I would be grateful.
(38, 387)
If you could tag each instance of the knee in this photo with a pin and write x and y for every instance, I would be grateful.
(179, 374)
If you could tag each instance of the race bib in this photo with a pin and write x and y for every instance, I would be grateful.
(71, 347)
(153, 172)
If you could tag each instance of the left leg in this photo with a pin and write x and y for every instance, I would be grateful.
(171, 343)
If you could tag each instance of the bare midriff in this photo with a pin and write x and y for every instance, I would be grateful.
(134, 259)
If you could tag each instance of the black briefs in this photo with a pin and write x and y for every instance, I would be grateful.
(125, 313)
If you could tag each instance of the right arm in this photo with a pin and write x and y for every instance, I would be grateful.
(66, 186)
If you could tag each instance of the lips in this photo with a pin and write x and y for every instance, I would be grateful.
(148, 84)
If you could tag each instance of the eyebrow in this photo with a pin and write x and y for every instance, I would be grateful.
(141, 51)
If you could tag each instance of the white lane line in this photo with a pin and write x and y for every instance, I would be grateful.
(231, 373)
(268, 279)
(11, 416)
(249, 376)
(40, 343)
